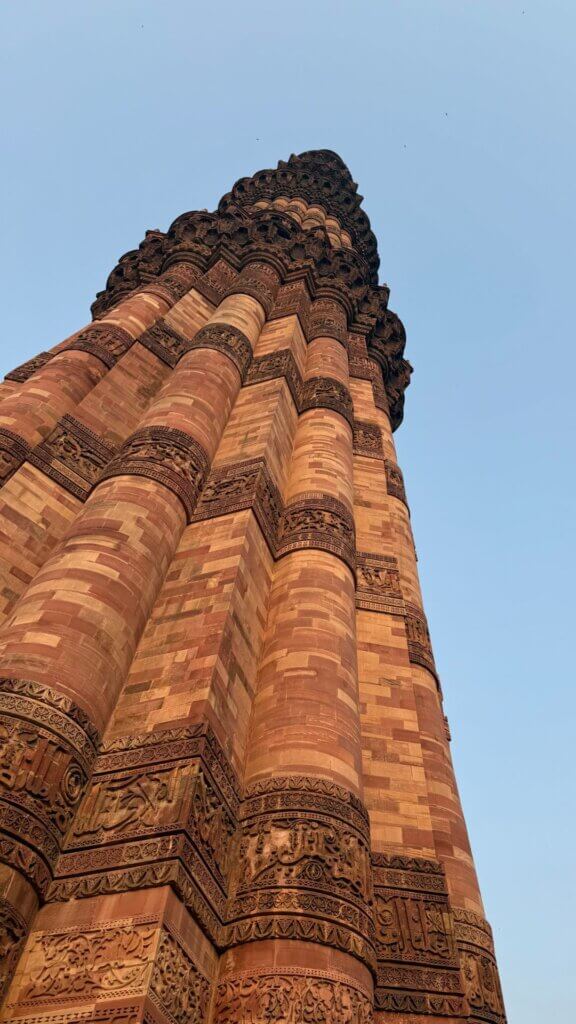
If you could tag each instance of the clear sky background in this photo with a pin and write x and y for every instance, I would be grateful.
(456, 117)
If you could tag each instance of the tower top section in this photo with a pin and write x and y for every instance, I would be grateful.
(305, 218)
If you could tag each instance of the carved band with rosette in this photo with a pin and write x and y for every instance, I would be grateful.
(47, 748)
(166, 455)
(161, 809)
(418, 966)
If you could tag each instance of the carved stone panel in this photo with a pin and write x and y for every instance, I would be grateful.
(28, 369)
(326, 393)
(418, 968)
(216, 282)
(328, 320)
(280, 363)
(418, 634)
(47, 747)
(395, 481)
(318, 521)
(164, 342)
(378, 583)
(301, 867)
(478, 966)
(73, 456)
(160, 808)
(240, 486)
(13, 452)
(368, 440)
(177, 986)
(167, 455)
(13, 930)
(293, 299)
(85, 971)
(261, 281)
(227, 339)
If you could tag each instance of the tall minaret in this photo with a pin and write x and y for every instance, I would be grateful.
(226, 790)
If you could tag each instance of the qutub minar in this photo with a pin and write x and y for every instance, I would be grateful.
(226, 791)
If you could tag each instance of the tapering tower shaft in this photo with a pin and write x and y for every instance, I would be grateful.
(226, 791)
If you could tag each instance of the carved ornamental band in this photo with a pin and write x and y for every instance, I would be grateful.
(229, 340)
(395, 481)
(291, 996)
(161, 809)
(479, 970)
(28, 369)
(107, 342)
(418, 966)
(164, 342)
(47, 748)
(241, 486)
(418, 634)
(368, 440)
(259, 280)
(378, 584)
(73, 456)
(169, 456)
(318, 521)
(301, 867)
(14, 450)
(328, 320)
(326, 393)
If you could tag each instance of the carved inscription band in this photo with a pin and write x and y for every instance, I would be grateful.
(170, 346)
(293, 996)
(28, 369)
(418, 966)
(315, 521)
(301, 867)
(479, 970)
(127, 959)
(261, 281)
(47, 748)
(315, 393)
(107, 342)
(169, 456)
(74, 456)
(162, 808)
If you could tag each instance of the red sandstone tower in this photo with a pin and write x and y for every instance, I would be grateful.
(226, 792)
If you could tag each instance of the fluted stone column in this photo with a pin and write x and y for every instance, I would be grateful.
(299, 924)
(67, 645)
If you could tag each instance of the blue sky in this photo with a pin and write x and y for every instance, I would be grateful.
(456, 117)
